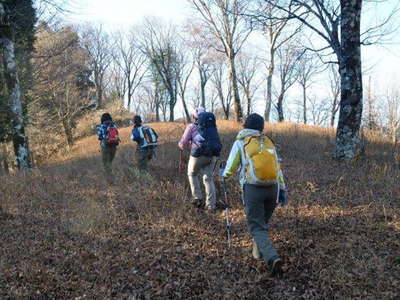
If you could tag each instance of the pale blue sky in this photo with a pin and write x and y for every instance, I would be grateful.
(116, 13)
(120, 14)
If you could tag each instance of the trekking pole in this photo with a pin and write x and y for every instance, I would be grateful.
(180, 166)
(226, 209)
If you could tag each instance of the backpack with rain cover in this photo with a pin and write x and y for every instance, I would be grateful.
(262, 166)
(149, 137)
(112, 136)
(207, 129)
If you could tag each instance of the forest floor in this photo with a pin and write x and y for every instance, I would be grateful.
(65, 232)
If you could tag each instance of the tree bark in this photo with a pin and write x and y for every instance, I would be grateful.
(4, 160)
(20, 140)
(203, 82)
(333, 114)
(187, 115)
(248, 98)
(157, 112)
(172, 102)
(304, 104)
(129, 93)
(279, 108)
(235, 90)
(68, 133)
(99, 91)
(268, 103)
(351, 94)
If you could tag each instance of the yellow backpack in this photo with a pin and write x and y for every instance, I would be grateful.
(262, 167)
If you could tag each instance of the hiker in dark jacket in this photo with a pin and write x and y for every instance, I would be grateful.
(108, 142)
(200, 165)
(259, 201)
(146, 139)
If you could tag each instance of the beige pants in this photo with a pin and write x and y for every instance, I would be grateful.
(202, 166)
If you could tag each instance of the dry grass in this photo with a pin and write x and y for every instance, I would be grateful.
(67, 233)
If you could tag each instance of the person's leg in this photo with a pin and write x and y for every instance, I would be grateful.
(193, 171)
(208, 181)
(105, 155)
(141, 160)
(113, 151)
(258, 210)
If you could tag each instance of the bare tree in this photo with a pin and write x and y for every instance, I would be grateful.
(62, 89)
(20, 141)
(319, 111)
(308, 67)
(392, 111)
(225, 20)
(202, 45)
(185, 68)
(131, 61)
(159, 41)
(98, 45)
(370, 112)
(289, 57)
(334, 90)
(117, 82)
(275, 26)
(338, 24)
(248, 67)
(223, 90)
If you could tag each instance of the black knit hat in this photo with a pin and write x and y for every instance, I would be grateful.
(137, 120)
(254, 121)
(105, 117)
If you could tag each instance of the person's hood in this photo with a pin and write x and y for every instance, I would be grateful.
(247, 132)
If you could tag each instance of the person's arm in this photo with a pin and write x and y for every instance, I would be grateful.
(186, 137)
(234, 160)
(100, 132)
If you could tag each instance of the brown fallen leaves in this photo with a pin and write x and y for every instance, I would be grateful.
(66, 233)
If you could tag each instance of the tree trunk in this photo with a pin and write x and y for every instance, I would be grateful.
(351, 94)
(203, 82)
(99, 90)
(304, 104)
(235, 90)
(172, 101)
(68, 133)
(271, 69)
(187, 115)
(333, 114)
(279, 108)
(4, 159)
(20, 141)
(157, 112)
(248, 98)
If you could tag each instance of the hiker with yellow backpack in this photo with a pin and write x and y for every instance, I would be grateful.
(262, 183)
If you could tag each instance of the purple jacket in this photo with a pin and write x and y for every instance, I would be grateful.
(190, 137)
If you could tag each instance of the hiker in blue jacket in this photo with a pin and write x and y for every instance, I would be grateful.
(146, 139)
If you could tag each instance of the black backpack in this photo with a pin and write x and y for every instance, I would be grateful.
(207, 128)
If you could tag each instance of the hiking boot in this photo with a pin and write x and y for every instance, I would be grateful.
(256, 254)
(201, 204)
(198, 203)
(210, 210)
(276, 266)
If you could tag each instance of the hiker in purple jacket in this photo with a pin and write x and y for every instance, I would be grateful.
(199, 165)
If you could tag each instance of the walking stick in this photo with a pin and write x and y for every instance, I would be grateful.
(180, 166)
(226, 209)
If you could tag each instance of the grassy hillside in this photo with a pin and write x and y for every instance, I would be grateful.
(66, 233)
